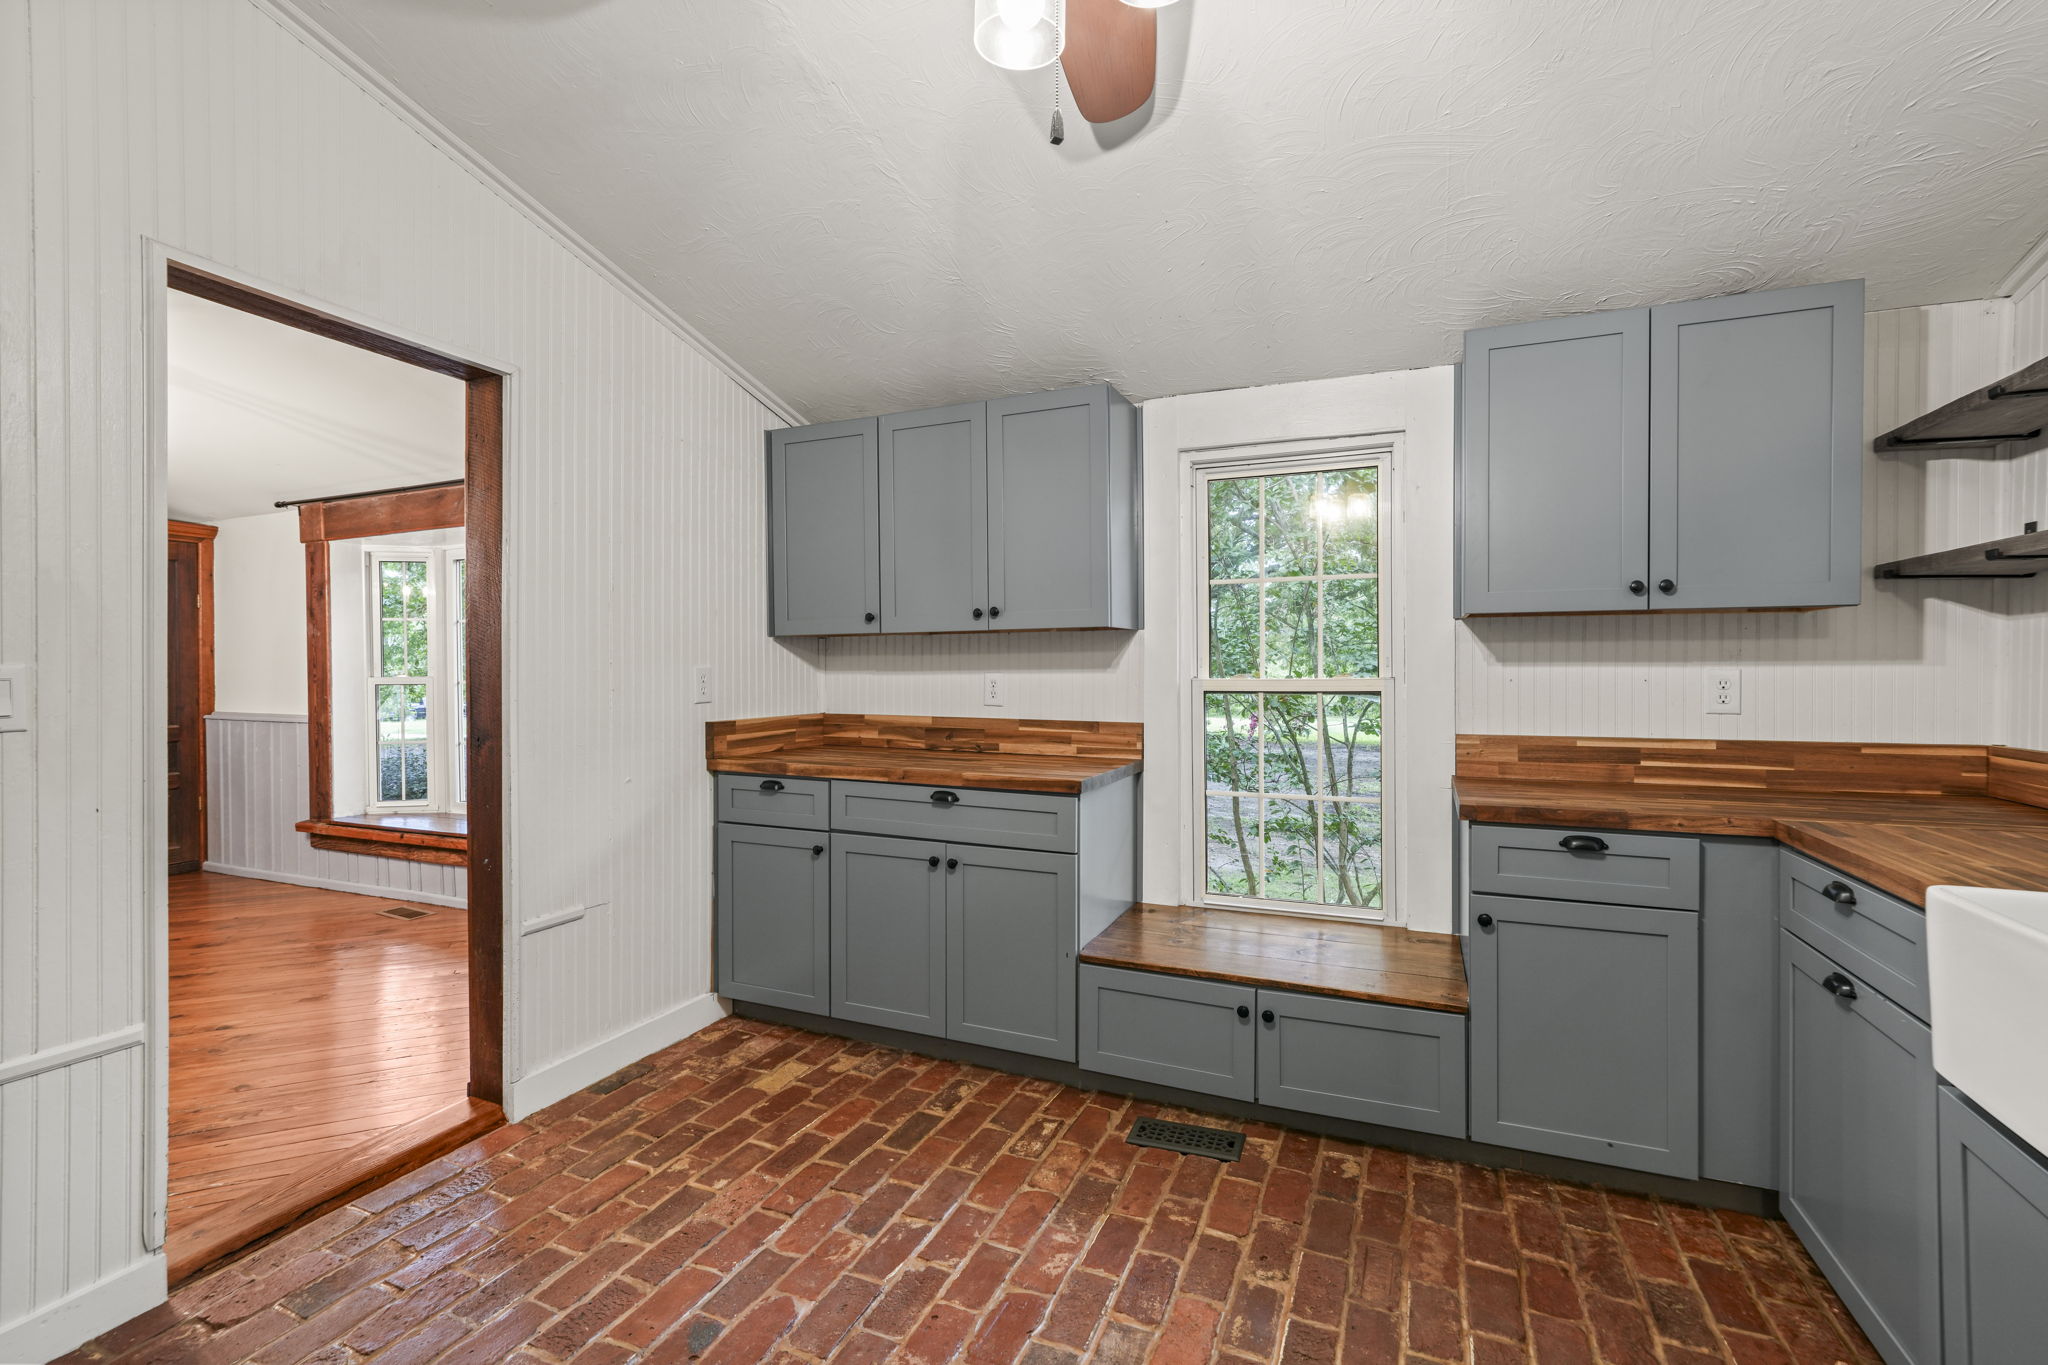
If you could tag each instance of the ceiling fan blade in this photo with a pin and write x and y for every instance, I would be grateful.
(1111, 55)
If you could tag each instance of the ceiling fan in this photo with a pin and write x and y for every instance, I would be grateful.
(1107, 49)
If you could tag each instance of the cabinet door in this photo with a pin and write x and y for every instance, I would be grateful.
(1586, 1031)
(1051, 501)
(1858, 1172)
(1994, 1241)
(934, 504)
(823, 530)
(774, 909)
(889, 933)
(1353, 1059)
(1010, 949)
(1174, 1030)
(1554, 465)
(1756, 449)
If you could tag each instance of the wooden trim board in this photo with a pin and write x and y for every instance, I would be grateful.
(1757, 765)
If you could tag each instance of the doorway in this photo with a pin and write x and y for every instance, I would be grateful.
(326, 1035)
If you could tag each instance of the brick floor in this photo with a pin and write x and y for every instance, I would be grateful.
(760, 1193)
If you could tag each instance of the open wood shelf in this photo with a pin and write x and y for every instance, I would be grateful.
(2020, 556)
(2013, 409)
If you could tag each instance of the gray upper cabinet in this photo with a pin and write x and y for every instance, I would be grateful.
(1693, 456)
(1994, 1240)
(934, 472)
(774, 907)
(1013, 514)
(1062, 510)
(1756, 449)
(1010, 949)
(1585, 1031)
(1858, 1171)
(824, 534)
(1554, 465)
(889, 932)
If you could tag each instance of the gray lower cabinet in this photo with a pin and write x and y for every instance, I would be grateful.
(1585, 1027)
(774, 912)
(1171, 1030)
(1858, 1172)
(824, 530)
(1010, 943)
(1994, 1240)
(1354, 1059)
(889, 932)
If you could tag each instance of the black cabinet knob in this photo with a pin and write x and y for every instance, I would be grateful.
(952, 863)
(995, 611)
(1486, 921)
(1582, 843)
(769, 784)
(978, 613)
(1666, 586)
(1266, 1015)
(1841, 893)
(946, 798)
(1839, 986)
(868, 617)
(933, 860)
(1244, 1011)
(816, 849)
(1638, 586)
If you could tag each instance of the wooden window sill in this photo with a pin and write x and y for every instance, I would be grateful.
(420, 838)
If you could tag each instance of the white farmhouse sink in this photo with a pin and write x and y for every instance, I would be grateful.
(1987, 964)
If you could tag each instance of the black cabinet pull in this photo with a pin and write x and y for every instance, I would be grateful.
(995, 611)
(869, 617)
(1638, 586)
(1839, 986)
(952, 863)
(1244, 1011)
(977, 613)
(1582, 843)
(1486, 921)
(769, 784)
(1841, 893)
(946, 798)
(933, 860)
(1266, 1015)
(1666, 586)
(816, 849)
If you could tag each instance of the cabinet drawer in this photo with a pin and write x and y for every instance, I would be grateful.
(1874, 936)
(791, 802)
(1027, 820)
(1173, 1030)
(1661, 871)
(1352, 1059)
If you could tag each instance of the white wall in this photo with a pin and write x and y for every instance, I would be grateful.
(259, 616)
(212, 127)
(2024, 668)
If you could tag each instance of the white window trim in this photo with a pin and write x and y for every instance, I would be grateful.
(1199, 467)
(443, 743)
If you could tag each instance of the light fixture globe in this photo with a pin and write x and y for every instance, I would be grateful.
(1019, 35)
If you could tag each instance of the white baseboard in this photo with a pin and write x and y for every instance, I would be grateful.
(390, 893)
(558, 1080)
(78, 1317)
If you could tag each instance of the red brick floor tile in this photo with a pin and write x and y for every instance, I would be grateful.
(758, 1193)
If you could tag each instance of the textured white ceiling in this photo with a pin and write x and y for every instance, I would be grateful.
(841, 195)
(259, 411)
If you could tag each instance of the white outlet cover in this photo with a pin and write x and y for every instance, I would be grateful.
(991, 689)
(16, 712)
(702, 694)
(1724, 692)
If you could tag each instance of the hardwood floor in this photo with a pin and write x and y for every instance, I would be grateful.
(314, 1043)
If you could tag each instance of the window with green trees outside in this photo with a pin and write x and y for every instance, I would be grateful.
(1289, 696)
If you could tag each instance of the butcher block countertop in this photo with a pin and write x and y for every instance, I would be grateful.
(1063, 758)
(1380, 963)
(1953, 815)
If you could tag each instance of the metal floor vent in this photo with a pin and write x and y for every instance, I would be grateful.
(1188, 1138)
(404, 912)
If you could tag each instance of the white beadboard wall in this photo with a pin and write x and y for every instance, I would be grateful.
(217, 128)
(256, 792)
(2024, 670)
(1912, 663)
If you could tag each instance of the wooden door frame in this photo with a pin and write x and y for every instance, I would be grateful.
(200, 535)
(483, 535)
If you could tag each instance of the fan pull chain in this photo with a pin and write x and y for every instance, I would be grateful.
(1059, 125)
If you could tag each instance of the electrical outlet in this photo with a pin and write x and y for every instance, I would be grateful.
(1724, 692)
(702, 694)
(992, 689)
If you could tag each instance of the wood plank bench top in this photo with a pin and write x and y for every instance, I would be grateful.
(1380, 963)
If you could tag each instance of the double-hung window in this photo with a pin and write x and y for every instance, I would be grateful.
(1289, 699)
(417, 689)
